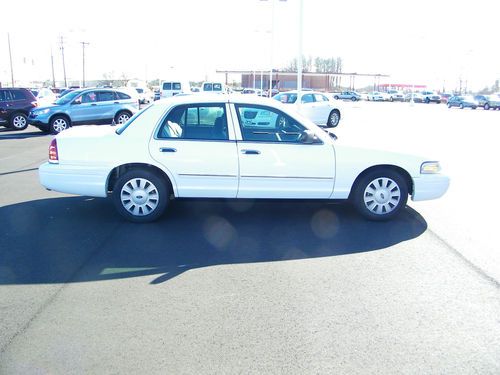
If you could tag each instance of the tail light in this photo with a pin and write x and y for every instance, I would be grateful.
(53, 155)
(34, 104)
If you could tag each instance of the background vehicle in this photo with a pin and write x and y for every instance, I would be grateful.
(349, 95)
(416, 97)
(85, 106)
(258, 92)
(445, 97)
(395, 96)
(44, 96)
(431, 96)
(215, 87)
(145, 95)
(314, 105)
(462, 102)
(377, 96)
(15, 106)
(171, 88)
(488, 101)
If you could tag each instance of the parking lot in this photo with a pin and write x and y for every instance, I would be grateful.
(259, 287)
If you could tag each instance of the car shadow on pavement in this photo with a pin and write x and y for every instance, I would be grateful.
(10, 134)
(79, 239)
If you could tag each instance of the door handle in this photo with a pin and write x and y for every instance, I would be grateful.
(250, 152)
(93, 104)
(168, 149)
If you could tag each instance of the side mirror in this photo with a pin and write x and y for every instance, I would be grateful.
(308, 137)
(332, 135)
(76, 103)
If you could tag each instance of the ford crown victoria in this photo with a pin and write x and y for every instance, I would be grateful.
(214, 146)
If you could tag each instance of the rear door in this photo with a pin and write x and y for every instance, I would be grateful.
(107, 105)
(195, 143)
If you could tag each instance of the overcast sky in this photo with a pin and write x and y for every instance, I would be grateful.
(420, 42)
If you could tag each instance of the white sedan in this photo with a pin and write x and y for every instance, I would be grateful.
(378, 96)
(214, 146)
(314, 105)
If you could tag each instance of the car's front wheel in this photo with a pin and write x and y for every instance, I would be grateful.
(486, 107)
(140, 196)
(19, 121)
(58, 124)
(380, 194)
(333, 119)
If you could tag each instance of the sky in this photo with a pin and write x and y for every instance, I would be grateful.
(436, 43)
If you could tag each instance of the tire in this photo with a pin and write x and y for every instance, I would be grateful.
(122, 117)
(380, 194)
(391, 99)
(18, 121)
(140, 196)
(449, 105)
(336, 97)
(486, 106)
(333, 119)
(427, 100)
(58, 124)
(461, 106)
(354, 99)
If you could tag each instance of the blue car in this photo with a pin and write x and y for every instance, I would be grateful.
(85, 106)
(462, 102)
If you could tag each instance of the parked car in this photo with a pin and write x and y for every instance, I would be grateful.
(431, 97)
(314, 105)
(445, 97)
(488, 101)
(15, 106)
(170, 88)
(145, 95)
(161, 153)
(247, 91)
(85, 106)
(377, 96)
(44, 96)
(396, 96)
(416, 97)
(347, 95)
(462, 102)
(214, 87)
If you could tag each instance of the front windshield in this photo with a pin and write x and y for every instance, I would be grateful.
(67, 98)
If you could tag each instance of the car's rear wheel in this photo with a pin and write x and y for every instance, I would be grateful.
(140, 196)
(58, 124)
(122, 117)
(354, 98)
(486, 106)
(19, 121)
(380, 194)
(333, 119)
(461, 106)
(449, 105)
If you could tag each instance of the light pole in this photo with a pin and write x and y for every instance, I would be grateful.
(299, 61)
(64, 64)
(83, 51)
(10, 58)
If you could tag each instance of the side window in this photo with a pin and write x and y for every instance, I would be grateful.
(203, 121)
(264, 124)
(320, 98)
(8, 95)
(207, 87)
(122, 95)
(308, 98)
(104, 96)
(17, 95)
(2, 96)
(89, 97)
(167, 86)
(176, 86)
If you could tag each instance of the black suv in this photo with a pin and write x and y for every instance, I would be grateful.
(15, 105)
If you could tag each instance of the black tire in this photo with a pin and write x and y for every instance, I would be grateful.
(380, 194)
(336, 97)
(18, 121)
(486, 106)
(391, 99)
(333, 119)
(122, 117)
(354, 99)
(58, 124)
(449, 105)
(427, 100)
(461, 106)
(148, 195)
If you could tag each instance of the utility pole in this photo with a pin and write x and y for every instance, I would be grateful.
(83, 51)
(10, 57)
(64, 65)
(52, 64)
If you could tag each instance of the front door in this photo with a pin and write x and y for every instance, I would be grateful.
(274, 161)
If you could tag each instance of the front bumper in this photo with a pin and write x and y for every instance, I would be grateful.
(89, 181)
(432, 186)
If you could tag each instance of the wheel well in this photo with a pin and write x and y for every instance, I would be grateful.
(60, 115)
(123, 111)
(120, 170)
(406, 176)
(18, 111)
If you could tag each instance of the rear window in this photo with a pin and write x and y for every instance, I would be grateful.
(167, 86)
(122, 95)
(9, 95)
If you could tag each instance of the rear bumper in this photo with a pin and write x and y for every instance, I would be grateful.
(428, 187)
(71, 179)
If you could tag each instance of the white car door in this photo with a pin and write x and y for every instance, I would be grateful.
(308, 108)
(195, 143)
(274, 162)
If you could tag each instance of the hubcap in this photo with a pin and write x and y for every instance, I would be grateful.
(382, 196)
(334, 119)
(139, 197)
(123, 118)
(60, 125)
(19, 122)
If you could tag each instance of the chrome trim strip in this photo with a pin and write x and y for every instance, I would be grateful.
(292, 177)
(206, 175)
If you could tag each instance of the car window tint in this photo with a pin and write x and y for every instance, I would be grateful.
(308, 98)
(204, 121)
(89, 97)
(207, 87)
(286, 98)
(122, 95)
(104, 96)
(17, 95)
(176, 86)
(264, 124)
(2, 96)
(167, 86)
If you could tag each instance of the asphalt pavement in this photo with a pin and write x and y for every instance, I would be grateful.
(255, 286)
